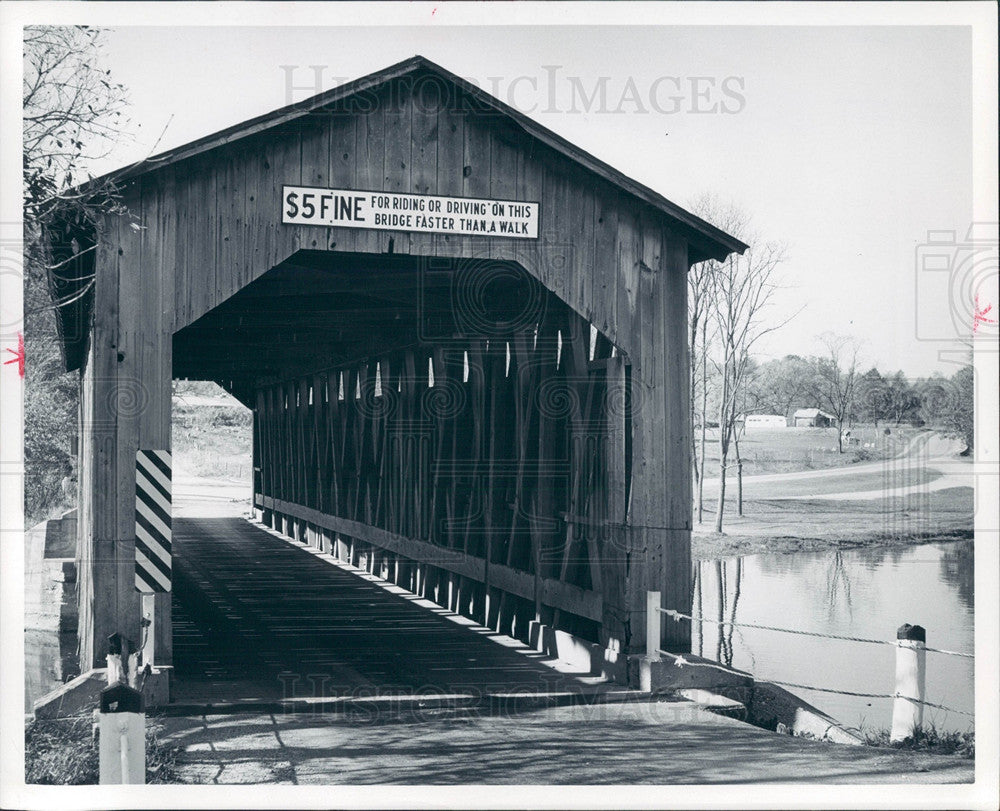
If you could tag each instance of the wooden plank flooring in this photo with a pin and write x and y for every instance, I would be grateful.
(255, 617)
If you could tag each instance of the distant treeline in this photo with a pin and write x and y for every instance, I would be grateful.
(793, 382)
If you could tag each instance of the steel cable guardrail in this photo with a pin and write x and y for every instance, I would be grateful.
(870, 695)
(677, 615)
(950, 652)
(681, 661)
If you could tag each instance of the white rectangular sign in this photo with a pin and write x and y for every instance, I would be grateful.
(303, 205)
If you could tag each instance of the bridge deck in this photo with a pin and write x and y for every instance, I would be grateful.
(255, 617)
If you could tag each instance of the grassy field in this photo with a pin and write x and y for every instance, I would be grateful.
(806, 525)
(62, 752)
(883, 494)
(212, 433)
(786, 450)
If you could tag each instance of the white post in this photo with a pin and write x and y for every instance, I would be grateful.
(122, 742)
(116, 668)
(132, 671)
(118, 659)
(122, 748)
(648, 679)
(149, 628)
(911, 667)
(653, 624)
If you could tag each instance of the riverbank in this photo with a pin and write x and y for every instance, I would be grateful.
(808, 525)
(726, 546)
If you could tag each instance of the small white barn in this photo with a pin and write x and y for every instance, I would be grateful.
(812, 418)
(762, 421)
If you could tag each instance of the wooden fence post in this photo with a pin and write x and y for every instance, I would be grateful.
(907, 714)
(149, 628)
(122, 743)
(653, 618)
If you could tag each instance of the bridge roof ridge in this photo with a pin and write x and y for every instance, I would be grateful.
(713, 242)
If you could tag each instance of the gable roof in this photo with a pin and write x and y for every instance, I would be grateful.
(707, 241)
(810, 413)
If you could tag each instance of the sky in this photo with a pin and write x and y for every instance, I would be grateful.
(847, 145)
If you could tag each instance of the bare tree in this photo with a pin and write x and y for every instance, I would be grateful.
(699, 298)
(748, 402)
(781, 384)
(704, 417)
(836, 376)
(744, 286)
(73, 114)
(701, 294)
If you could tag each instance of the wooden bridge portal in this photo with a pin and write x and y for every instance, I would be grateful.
(462, 338)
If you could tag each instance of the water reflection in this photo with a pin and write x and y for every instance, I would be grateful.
(860, 592)
(838, 584)
(957, 569)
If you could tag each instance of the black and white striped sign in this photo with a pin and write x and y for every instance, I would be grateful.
(152, 521)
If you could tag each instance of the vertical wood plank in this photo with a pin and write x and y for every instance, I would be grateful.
(677, 442)
(532, 254)
(477, 173)
(204, 237)
(451, 170)
(98, 580)
(318, 161)
(424, 103)
(606, 265)
(634, 305)
(183, 247)
(369, 164)
(343, 170)
(398, 144)
(231, 210)
(503, 181)
(132, 401)
(254, 158)
(282, 166)
(613, 541)
(85, 545)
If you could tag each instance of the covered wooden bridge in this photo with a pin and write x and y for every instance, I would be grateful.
(462, 338)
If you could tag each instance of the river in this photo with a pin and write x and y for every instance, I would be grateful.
(859, 592)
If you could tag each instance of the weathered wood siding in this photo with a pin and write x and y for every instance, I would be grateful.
(222, 209)
(207, 226)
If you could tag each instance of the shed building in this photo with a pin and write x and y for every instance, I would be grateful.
(812, 418)
(764, 421)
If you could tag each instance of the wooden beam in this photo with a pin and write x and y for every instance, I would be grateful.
(522, 584)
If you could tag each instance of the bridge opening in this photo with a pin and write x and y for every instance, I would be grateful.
(447, 425)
